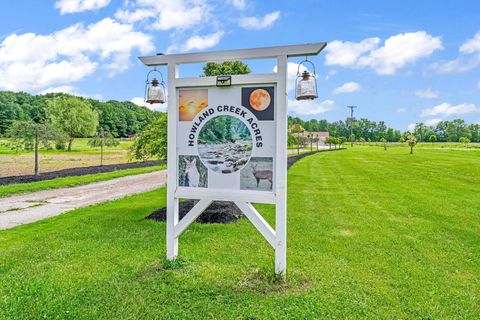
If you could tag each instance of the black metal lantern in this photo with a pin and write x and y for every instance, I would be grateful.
(154, 90)
(306, 83)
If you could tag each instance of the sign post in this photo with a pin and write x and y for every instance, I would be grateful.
(227, 141)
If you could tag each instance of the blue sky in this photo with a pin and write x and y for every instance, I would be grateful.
(399, 61)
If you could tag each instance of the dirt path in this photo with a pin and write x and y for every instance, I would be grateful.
(31, 207)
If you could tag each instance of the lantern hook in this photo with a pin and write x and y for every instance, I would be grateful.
(302, 64)
(157, 71)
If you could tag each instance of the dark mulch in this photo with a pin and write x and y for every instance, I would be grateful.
(218, 211)
(81, 171)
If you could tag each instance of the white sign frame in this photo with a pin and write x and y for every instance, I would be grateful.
(276, 238)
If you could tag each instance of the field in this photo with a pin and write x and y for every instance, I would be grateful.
(372, 234)
(13, 163)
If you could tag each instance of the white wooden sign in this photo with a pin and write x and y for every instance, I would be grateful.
(229, 143)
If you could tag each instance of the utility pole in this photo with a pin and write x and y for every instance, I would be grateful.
(351, 123)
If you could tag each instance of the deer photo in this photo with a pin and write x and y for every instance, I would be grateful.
(261, 175)
(192, 176)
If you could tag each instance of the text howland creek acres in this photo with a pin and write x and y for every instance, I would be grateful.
(211, 113)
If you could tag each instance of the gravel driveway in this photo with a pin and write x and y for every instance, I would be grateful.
(31, 207)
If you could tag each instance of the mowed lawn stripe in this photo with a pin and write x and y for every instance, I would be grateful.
(372, 234)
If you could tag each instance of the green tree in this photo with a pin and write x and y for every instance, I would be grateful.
(464, 140)
(352, 139)
(384, 142)
(102, 139)
(291, 140)
(73, 116)
(420, 131)
(225, 68)
(412, 141)
(152, 142)
(228, 129)
(475, 130)
(332, 140)
(29, 135)
(456, 129)
(432, 138)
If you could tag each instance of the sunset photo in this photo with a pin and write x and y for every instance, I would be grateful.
(191, 102)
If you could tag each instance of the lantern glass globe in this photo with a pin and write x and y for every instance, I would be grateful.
(306, 87)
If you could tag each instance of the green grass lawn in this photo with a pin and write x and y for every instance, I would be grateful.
(72, 181)
(372, 234)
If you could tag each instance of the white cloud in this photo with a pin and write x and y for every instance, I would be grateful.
(461, 64)
(156, 106)
(198, 42)
(432, 122)
(471, 45)
(165, 14)
(310, 107)
(330, 73)
(71, 90)
(397, 52)
(446, 109)
(411, 127)
(401, 110)
(254, 23)
(74, 6)
(292, 69)
(426, 94)
(347, 87)
(346, 54)
(34, 62)
(60, 89)
(238, 4)
(468, 58)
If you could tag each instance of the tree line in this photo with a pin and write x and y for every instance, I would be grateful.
(119, 118)
(366, 130)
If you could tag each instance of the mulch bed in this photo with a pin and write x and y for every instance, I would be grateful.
(80, 171)
(219, 211)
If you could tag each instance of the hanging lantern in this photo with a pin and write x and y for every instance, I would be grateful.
(154, 90)
(306, 83)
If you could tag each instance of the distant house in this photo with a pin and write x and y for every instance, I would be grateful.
(321, 135)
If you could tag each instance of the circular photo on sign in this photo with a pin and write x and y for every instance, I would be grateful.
(224, 144)
(260, 99)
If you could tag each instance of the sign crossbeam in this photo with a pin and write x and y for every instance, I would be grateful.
(231, 55)
(199, 169)
(242, 78)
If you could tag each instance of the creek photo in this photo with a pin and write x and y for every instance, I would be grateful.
(224, 144)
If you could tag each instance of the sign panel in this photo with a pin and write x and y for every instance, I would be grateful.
(226, 138)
